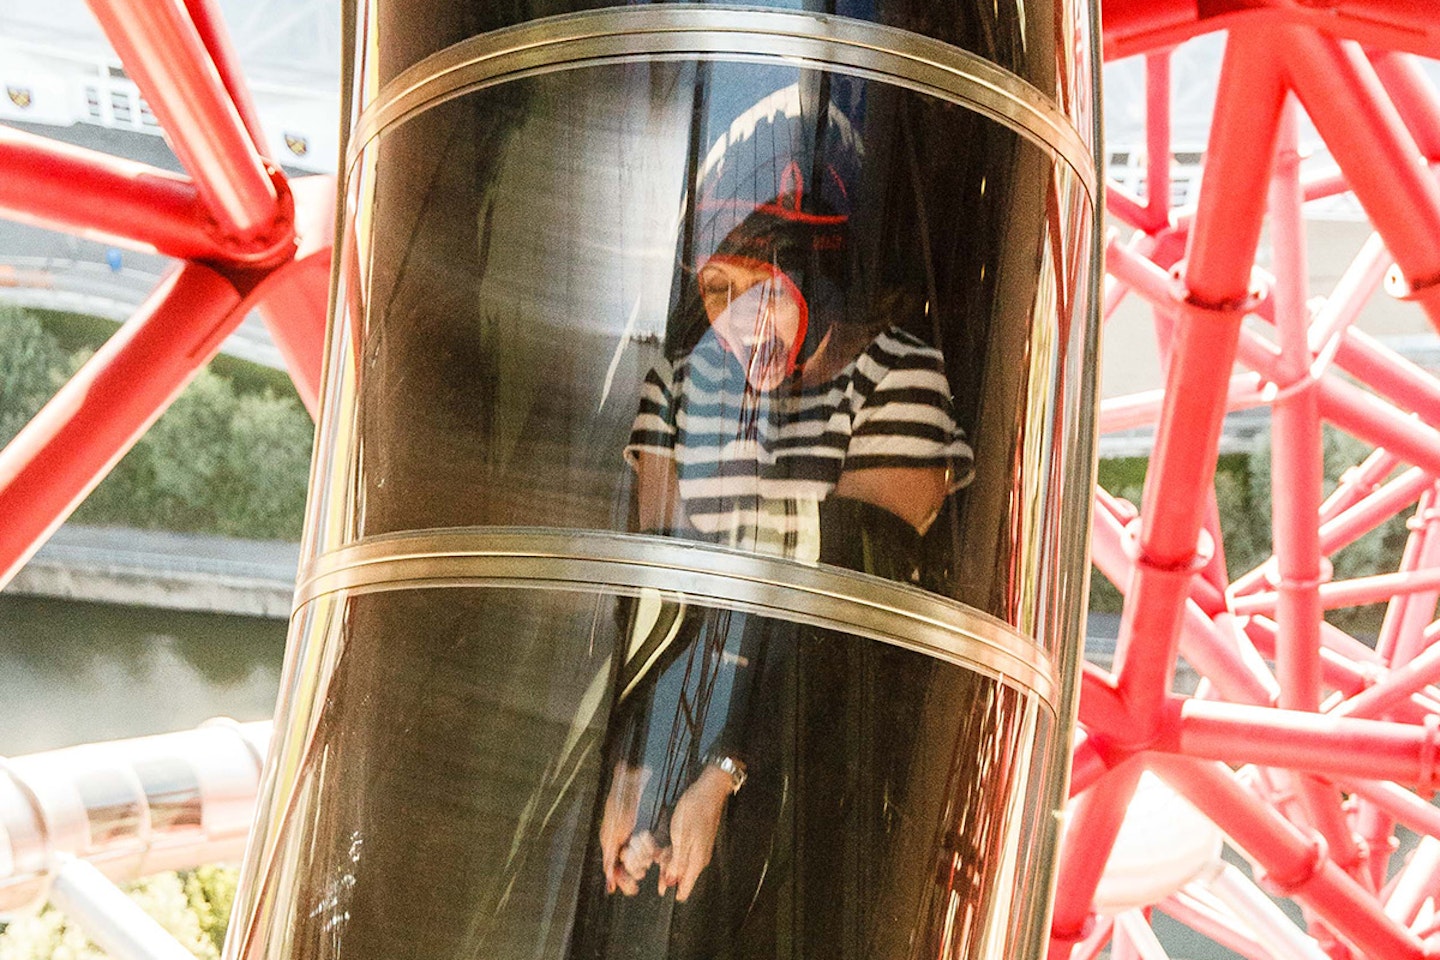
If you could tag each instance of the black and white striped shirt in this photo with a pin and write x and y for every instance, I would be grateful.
(753, 467)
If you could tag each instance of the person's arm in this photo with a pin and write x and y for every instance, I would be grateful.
(914, 494)
(658, 491)
(906, 452)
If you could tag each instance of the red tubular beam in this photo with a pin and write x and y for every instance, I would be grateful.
(60, 187)
(1087, 764)
(1414, 97)
(1291, 861)
(1143, 409)
(1335, 747)
(1339, 672)
(1355, 592)
(1390, 375)
(294, 300)
(1415, 609)
(1354, 410)
(1367, 137)
(1323, 187)
(1237, 173)
(210, 25)
(1157, 136)
(1296, 442)
(1367, 514)
(95, 418)
(1402, 804)
(1090, 947)
(1128, 210)
(1094, 823)
(1364, 276)
(1101, 710)
(1224, 658)
(1222, 248)
(167, 59)
(1415, 885)
(1207, 922)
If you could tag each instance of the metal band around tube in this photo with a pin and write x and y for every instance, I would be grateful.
(822, 596)
(693, 31)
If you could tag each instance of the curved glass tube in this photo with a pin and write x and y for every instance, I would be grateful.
(509, 773)
(566, 312)
(1045, 43)
(820, 348)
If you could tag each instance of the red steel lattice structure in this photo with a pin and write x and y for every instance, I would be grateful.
(1307, 747)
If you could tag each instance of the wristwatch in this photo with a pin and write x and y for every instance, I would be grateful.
(732, 766)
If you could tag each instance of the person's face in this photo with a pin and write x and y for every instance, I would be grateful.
(759, 315)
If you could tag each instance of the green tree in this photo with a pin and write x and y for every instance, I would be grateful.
(32, 367)
(193, 906)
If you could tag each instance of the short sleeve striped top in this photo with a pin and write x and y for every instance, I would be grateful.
(753, 467)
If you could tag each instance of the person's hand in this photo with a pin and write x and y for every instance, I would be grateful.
(622, 854)
(693, 826)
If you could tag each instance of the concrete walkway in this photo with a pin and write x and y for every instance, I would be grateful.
(154, 568)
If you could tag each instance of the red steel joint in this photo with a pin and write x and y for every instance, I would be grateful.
(276, 243)
(1253, 301)
(1075, 935)
(1197, 561)
(1288, 887)
(1424, 292)
(1427, 753)
(1272, 576)
(1420, 519)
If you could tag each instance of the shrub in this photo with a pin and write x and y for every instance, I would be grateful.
(193, 906)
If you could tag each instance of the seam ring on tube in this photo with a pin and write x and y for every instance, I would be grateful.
(831, 598)
(714, 32)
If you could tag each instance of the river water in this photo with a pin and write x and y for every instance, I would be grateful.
(74, 672)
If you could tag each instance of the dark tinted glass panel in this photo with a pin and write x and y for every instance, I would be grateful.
(1035, 40)
(517, 774)
(783, 311)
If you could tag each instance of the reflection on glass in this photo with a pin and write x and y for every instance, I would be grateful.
(771, 310)
(812, 325)
(544, 774)
(775, 790)
(781, 386)
(1036, 40)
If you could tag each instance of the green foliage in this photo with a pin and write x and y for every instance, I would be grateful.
(79, 333)
(193, 906)
(1243, 491)
(31, 368)
(220, 460)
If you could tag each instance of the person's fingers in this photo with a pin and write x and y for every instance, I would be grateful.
(694, 864)
(681, 849)
(638, 854)
(628, 885)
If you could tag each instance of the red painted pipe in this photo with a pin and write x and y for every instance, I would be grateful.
(210, 26)
(1396, 686)
(1368, 138)
(1414, 97)
(1337, 747)
(1222, 245)
(167, 59)
(1392, 376)
(1355, 592)
(96, 417)
(1094, 823)
(1374, 509)
(1291, 860)
(61, 187)
(1402, 804)
(1157, 137)
(1087, 764)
